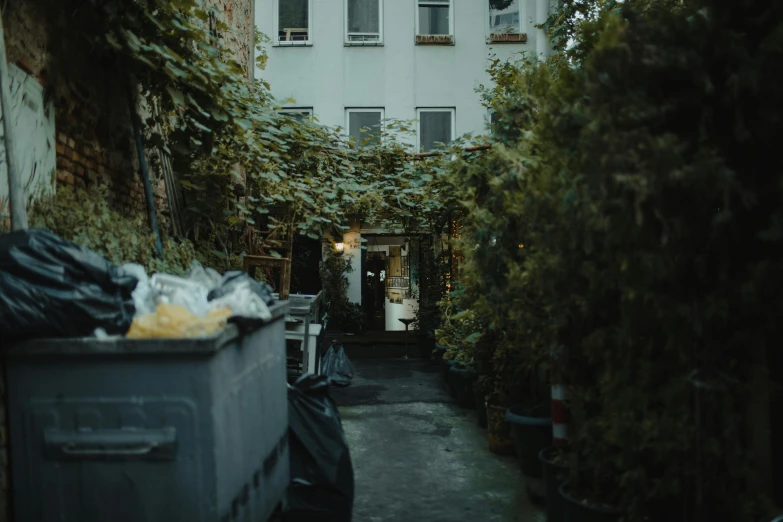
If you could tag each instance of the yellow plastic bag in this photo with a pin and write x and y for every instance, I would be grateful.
(172, 321)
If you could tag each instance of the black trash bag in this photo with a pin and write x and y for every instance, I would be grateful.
(336, 365)
(235, 279)
(322, 483)
(50, 287)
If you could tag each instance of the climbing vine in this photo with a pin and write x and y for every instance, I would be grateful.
(251, 175)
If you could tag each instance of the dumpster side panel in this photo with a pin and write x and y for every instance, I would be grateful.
(251, 424)
(97, 439)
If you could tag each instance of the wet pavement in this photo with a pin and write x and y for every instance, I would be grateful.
(419, 457)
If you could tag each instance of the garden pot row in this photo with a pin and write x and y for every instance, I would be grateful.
(563, 504)
(525, 430)
(460, 383)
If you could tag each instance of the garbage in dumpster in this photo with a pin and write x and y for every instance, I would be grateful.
(322, 482)
(246, 296)
(177, 322)
(336, 365)
(197, 305)
(171, 289)
(50, 287)
(205, 276)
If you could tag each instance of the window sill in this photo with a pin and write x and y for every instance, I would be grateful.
(292, 44)
(434, 39)
(362, 44)
(516, 38)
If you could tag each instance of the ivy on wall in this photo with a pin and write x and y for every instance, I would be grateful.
(247, 171)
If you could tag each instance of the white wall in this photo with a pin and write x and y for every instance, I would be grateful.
(353, 251)
(398, 76)
(33, 123)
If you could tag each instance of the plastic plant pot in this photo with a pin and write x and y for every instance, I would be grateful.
(555, 474)
(462, 380)
(437, 354)
(532, 429)
(576, 510)
(449, 365)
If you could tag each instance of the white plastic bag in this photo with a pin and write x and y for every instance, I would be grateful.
(144, 296)
(243, 302)
(179, 291)
(205, 276)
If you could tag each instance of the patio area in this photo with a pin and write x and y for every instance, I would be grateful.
(418, 456)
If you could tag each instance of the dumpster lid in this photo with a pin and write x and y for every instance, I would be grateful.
(117, 345)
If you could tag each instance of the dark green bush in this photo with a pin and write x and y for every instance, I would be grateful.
(635, 218)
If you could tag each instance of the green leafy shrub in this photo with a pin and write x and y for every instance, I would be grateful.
(459, 331)
(87, 218)
(635, 220)
(341, 313)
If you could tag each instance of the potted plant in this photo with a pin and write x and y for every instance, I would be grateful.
(463, 378)
(531, 424)
(449, 362)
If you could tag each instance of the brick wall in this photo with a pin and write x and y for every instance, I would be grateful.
(98, 148)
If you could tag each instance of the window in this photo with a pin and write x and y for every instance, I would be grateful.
(434, 18)
(293, 22)
(505, 21)
(364, 22)
(364, 125)
(300, 114)
(493, 120)
(436, 127)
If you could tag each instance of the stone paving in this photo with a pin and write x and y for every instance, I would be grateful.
(418, 456)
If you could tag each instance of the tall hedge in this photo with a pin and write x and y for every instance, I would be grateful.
(646, 188)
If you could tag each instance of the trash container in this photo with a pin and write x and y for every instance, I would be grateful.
(150, 430)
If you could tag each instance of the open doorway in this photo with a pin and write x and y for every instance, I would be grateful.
(388, 287)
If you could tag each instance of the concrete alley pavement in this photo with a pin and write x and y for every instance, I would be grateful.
(417, 456)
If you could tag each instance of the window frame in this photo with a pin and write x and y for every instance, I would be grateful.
(276, 42)
(419, 110)
(350, 110)
(439, 4)
(521, 28)
(351, 43)
(297, 110)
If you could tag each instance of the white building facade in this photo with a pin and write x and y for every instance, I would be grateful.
(355, 63)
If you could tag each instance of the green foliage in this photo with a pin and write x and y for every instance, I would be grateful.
(341, 313)
(88, 219)
(461, 331)
(631, 216)
(431, 280)
(247, 171)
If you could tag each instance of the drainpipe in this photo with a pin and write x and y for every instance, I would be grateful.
(145, 175)
(542, 42)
